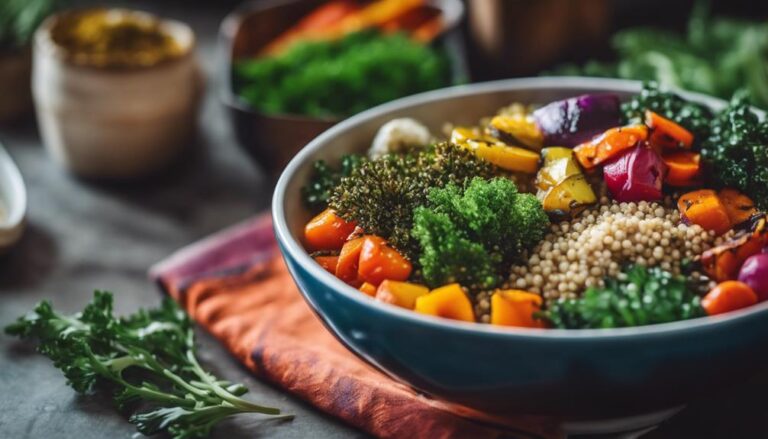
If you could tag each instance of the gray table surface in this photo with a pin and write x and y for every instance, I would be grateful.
(83, 236)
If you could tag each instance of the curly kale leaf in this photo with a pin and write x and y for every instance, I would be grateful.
(695, 117)
(146, 360)
(381, 195)
(470, 235)
(641, 296)
(737, 151)
(324, 178)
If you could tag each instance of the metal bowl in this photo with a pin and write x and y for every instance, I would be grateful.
(512, 370)
(271, 140)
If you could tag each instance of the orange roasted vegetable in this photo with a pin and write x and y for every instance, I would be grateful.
(327, 231)
(379, 261)
(328, 262)
(402, 294)
(515, 308)
(728, 296)
(703, 207)
(724, 261)
(684, 167)
(667, 134)
(449, 302)
(610, 144)
(349, 261)
(740, 207)
(368, 289)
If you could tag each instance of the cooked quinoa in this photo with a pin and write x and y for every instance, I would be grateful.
(579, 253)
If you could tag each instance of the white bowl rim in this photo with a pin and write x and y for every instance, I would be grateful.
(297, 252)
(16, 207)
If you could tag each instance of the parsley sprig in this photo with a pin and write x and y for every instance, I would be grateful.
(146, 360)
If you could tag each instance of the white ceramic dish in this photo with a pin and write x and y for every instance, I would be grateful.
(13, 201)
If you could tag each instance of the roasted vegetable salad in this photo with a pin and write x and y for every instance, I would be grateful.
(581, 213)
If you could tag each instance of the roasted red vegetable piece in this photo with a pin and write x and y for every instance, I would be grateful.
(570, 122)
(637, 175)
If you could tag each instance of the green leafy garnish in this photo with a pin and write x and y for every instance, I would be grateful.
(20, 18)
(641, 296)
(381, 195)
(737, 151)
(717, 56)
(695, 117)
(146, 360)
(324, 178)
(471, 235)
(341, 77)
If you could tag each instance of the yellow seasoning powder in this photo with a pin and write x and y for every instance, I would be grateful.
(115, 38)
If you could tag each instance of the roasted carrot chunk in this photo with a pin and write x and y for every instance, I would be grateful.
(684, 167)
(703, 207)
(402, 294)
(349, 261)
(368, 289)
(728, 296)
(610, 144)
(724, 261)
(328, 262)
(515, 308)
(379, 261)
(327, 231)
(449, 302)
(666, 132)
(739, 206)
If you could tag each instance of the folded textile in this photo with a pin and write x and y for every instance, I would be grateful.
(236, 285)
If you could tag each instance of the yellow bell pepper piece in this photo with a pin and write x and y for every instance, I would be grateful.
(515, 308)
(449, 302)
(402, 294)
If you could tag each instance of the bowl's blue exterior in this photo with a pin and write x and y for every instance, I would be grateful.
(587, 372)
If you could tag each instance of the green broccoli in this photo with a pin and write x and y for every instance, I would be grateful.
(471, 235)
(447, 256)
(640, 296)
(381, 195)
(737, 151)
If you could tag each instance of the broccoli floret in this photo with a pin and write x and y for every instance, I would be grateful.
(641, 296)
(447, 256)
(470, 235)
(381, 195)
(737, 151)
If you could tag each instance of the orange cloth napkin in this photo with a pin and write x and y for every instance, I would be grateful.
(236, 285)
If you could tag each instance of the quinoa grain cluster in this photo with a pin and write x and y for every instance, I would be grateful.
(579, 253)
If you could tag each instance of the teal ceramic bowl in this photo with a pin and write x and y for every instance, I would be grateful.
(505, 370)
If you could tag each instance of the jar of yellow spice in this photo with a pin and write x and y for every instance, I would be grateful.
(116, 91)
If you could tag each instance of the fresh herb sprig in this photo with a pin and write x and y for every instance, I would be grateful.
(146, 360)
(716, 56)
(640, 296)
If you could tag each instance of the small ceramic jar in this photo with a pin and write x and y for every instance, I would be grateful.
(103, 120)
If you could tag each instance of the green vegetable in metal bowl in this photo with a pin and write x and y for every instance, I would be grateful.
(341, 77)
